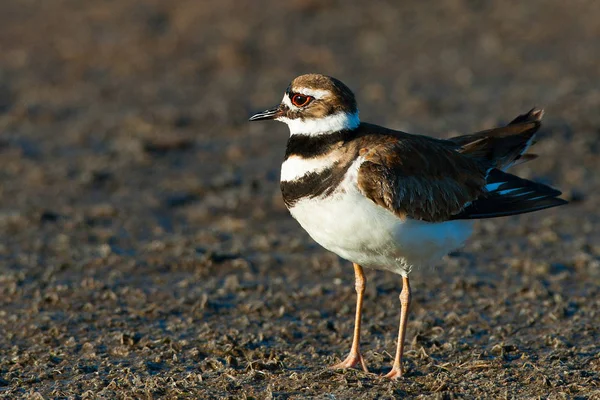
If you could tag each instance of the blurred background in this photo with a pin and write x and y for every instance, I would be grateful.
(145, 250)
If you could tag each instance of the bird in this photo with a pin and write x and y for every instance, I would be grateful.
(390, 200)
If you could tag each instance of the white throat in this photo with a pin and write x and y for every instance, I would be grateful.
(321, 126)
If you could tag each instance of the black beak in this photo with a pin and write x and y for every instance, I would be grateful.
(267, 114)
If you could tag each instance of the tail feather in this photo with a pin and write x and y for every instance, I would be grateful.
(503, 147)
(535, 114)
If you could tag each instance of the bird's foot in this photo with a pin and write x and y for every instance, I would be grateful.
(353, 359)
(395, 374)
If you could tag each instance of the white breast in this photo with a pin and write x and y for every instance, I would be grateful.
(355, 228)
(296, 167)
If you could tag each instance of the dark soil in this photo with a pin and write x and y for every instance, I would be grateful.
(145, 251)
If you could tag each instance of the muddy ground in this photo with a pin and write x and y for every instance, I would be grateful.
(145, 251)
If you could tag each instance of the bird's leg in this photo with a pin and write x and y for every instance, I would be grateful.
(355, 357)
(396, 371)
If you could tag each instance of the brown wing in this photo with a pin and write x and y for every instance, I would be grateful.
(460, 178)
(420, 178)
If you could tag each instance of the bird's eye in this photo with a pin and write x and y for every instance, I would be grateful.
(300, 100)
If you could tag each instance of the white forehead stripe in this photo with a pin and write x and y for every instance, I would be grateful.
(319, 126)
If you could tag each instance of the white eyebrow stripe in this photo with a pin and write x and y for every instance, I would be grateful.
(316, 93)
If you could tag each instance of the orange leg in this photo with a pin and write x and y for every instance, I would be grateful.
(355, 357)
(396, 371)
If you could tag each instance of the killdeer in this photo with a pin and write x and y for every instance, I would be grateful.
(390, 200)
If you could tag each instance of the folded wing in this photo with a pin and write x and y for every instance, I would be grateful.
(420, 178)
(460, 178)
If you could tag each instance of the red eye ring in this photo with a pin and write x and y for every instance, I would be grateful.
(300, 100)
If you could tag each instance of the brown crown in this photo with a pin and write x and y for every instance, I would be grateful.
(339, 98)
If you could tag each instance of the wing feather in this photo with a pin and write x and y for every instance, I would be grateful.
(420, 178)
(461, 178)
(508, 194)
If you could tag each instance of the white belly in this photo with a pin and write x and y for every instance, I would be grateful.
(358, 230)
(355, 228)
